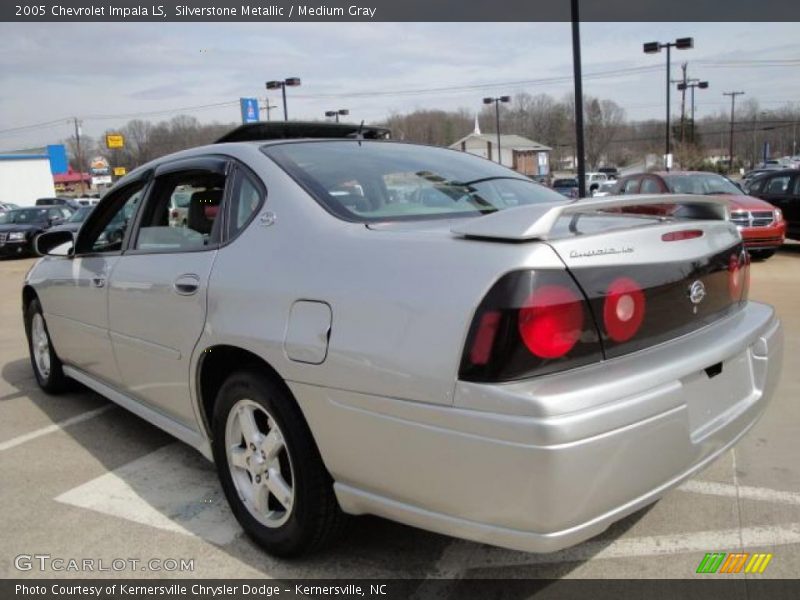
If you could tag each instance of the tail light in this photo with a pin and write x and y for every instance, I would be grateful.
(530, 323)
(623, 309)
(174, 214)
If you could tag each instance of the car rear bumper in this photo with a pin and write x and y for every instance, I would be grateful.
(543, 464)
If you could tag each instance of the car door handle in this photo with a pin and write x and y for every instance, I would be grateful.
(99, 282)
(186, 285)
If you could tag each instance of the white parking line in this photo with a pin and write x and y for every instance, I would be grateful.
(461, 555)
(173, 488)
(711, 488)
(21, 439)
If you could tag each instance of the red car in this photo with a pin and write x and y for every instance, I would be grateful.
(762, 225)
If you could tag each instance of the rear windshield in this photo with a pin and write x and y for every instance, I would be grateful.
(700, 183)
(389, 181)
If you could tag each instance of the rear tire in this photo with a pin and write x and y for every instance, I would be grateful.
(761, 254)
(46, 365)
(270, 468)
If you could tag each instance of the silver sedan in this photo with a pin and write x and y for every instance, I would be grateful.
(353, 326)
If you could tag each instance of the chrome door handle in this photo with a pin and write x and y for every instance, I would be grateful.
(186, 285)
(99, 282)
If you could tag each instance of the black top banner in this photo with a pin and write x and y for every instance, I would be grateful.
(398, 10)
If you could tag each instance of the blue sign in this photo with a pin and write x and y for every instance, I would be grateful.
(249, 110)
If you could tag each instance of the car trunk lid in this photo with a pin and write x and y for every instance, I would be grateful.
(647, 279)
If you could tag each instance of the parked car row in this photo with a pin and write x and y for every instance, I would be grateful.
(20, 226)
(762, 225)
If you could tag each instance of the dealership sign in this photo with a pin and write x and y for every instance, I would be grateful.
(249, 108)
(99, 166)
(115, 140)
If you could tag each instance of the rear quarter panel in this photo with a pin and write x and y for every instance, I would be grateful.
(401, 301)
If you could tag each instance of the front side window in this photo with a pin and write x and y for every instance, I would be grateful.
(105, 228)
(388, 181)
(181, 212)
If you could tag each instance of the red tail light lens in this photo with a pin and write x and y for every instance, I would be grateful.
(551, 321)
(175, 214)
(530, 323)
(481, 349)
(623, 309)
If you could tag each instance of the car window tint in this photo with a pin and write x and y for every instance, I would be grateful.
(778, 185)
(109, 239)
(650, 186)
(244, 202)
(367, 181)
(755, 185)
(167, 227)
(631, 186)
(796, 190)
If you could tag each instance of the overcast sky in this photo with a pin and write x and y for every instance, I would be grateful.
(53, 71)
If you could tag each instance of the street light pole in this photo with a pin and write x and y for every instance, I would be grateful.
(497, 101)
(733, 104)
(289, 81)
(577, 78)
(653, 48)
(336, 113)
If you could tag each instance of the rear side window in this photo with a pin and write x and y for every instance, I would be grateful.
(650, 186)
(245, 200)
(366, 181)
(631, 186)
(796, 191)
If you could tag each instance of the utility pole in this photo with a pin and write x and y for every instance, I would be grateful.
(577, 78)
(79, 156)
(733, 106)
(268, 107)
(683, 100)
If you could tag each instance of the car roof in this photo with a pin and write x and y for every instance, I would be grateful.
(771, 172)
(285, 130)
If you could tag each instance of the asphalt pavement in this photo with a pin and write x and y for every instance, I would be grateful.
(81, 478)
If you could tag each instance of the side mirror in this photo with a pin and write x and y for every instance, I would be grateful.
(55, 243)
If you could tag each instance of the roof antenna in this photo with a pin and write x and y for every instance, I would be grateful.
(359, 135)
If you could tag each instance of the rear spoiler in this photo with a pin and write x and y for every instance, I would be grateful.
(535, 221)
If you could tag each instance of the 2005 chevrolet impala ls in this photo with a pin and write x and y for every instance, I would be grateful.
(350, 325)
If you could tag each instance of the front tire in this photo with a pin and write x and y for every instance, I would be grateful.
(761, 254)
(270, 468)
(46, 365)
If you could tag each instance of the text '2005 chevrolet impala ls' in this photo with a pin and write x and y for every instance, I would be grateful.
(351, 325)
